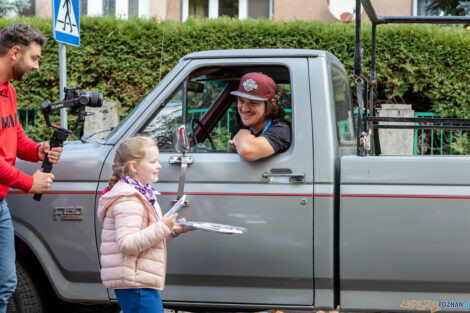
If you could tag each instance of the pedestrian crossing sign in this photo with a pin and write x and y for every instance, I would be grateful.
(66, 26)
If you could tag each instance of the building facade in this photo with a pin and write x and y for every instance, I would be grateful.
(181, 10)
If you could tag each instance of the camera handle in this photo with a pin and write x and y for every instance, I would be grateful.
(57, 140)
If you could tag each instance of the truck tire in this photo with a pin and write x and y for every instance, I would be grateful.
(26, 297)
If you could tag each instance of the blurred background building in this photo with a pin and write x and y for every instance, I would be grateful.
(180, 10)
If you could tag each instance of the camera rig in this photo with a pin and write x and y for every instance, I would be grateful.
(75, 101)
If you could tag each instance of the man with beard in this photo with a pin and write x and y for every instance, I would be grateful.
(20, 50)
(263, 131)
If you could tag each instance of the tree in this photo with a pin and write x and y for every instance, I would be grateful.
(465, 6)
(449, 7)
(13, 6)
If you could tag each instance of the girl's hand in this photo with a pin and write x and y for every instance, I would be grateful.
(180, 228)
(168, 220)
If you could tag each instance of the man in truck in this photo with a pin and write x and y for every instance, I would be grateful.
(20, 50)
(262, 131)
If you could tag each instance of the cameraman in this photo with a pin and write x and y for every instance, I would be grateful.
(20, 50)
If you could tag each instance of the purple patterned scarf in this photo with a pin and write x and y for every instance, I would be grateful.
(146, 190)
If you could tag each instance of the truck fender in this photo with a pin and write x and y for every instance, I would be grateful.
(64, 289)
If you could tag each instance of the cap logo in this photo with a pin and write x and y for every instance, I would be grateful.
(250, 85)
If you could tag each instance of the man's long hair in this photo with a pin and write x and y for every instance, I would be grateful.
(273, 110)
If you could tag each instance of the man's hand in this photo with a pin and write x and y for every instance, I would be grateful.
(249, 147)
(240, 137)
(52, 155)
(42, 182)
(231, 146)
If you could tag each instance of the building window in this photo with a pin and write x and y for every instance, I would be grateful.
(228, 8)
(422, 7)
(259, 9)
(109, 7)
(119, 8)
(199, 8)
(133, 7)
(232, 8)
(83, 7)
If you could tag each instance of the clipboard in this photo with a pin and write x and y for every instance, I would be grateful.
(214, 227)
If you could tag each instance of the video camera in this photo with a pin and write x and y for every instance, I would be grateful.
(75, 101)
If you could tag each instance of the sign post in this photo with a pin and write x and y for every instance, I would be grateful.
(66, 30)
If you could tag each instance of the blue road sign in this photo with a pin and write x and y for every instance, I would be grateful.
(66, 26)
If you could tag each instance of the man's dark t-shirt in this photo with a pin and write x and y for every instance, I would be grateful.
(278, 134)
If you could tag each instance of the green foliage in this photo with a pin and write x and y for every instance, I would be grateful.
(460, 143)
(425, 65)
(16, 6)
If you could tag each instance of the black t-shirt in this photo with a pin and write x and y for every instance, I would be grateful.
(278, 134)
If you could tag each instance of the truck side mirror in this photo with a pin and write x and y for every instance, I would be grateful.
(181, 140)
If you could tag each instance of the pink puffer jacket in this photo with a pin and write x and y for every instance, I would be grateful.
(133, 240)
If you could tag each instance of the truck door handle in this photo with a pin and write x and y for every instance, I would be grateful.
(185, 204)
(295, 177)
(176, 159)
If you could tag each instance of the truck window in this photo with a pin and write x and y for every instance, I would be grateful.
(343, 108)
(200, 96)
(210, 105)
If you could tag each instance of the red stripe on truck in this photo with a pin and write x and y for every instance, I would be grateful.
(404, 196)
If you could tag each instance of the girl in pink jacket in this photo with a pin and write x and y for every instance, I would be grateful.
(135, 233)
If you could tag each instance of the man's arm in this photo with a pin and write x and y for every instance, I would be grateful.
(26, 149)
(29, 150)
(14, 178)
(251, 148)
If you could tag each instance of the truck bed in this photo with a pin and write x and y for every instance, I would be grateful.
(404, 231)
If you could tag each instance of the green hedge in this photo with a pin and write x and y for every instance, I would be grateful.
(428, 66)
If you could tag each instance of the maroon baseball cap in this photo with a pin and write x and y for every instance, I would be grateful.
(256, 86)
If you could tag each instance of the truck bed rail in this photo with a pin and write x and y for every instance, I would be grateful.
(464, 123)
(367, 124)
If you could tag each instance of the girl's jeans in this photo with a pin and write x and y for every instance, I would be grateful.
(7, 257)
(139, 300)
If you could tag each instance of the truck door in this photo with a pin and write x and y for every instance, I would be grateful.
(272, 263)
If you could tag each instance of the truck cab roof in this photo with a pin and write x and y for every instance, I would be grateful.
(262, 53)
(250, 53)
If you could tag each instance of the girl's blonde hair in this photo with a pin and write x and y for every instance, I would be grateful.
(131, 149)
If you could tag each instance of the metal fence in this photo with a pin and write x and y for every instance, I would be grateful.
(440, 142)
(30, 121)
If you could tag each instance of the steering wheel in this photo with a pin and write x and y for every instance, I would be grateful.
(208, 136)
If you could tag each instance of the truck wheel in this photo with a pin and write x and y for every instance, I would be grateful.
(26, 298)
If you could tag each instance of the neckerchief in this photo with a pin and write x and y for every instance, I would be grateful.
(146, 190)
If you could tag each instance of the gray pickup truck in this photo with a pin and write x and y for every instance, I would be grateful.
(326, 228)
